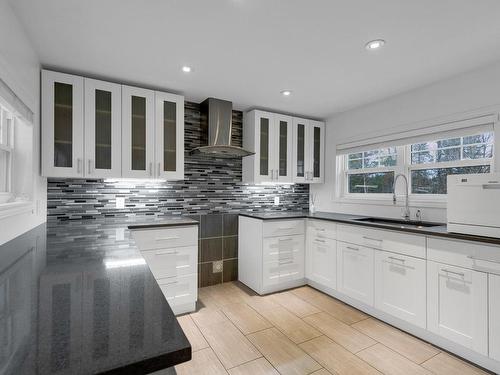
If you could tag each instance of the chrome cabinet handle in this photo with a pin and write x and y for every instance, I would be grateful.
(166, 238)
(353, 248)
(372, 239)
(277, 175)
(461, 274)
(483, 260)
(318, 240)
(287, 262)
(398, 259)
(151, 169)
(90, 166)
(159, 169)
(166, 252)
(78, 165)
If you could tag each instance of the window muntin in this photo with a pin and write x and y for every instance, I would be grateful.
(384, 157)
(6, 149)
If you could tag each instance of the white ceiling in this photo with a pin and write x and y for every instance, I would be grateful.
(248, 51)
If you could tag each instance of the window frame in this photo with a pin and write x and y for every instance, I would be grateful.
(7, 134)
(405, 167)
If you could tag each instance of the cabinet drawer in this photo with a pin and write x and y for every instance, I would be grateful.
(321, 229)
(282, 248)
(149, 239)
(172, 262)
(180, 290)
(407, 244)
(283, 228)
(471, 255)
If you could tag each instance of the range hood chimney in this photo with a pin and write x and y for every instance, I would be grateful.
(220, 125)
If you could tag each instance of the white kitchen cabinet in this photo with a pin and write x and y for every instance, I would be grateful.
(271, 254)
(308, 151)
(321, 253)
(355, 271)
(172, 256)
(62, 125)
(138, 132)
(457, 305)
(400, 287)
(494, 314)
(269, 135)
(169, 135)
(103, 131)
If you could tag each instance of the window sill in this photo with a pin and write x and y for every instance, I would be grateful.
(415, 202)
(15, 208)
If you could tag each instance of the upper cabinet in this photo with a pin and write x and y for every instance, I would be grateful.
(62, 125)
(269, 135)
(97, 129)
(286, 149)
(308, 151)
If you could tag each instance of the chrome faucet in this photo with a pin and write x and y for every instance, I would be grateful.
(407, 204)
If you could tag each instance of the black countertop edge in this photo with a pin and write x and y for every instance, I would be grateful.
(153, 364)
(437, 231)
(159, 225)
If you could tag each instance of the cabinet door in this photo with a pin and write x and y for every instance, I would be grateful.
(300, 150)
(458, 305)
(62, 125)
(316, 141)
(284, 144)
(355, 272)
(103, 129)
(494, 313)
(400, 286)
(169, 136)
(321, 261)
(137, 132)
(264, 148)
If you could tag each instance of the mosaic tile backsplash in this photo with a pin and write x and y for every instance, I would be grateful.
(211, 187)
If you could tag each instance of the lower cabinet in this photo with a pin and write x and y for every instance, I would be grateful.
(321, 261)
(457, 305)
(400, 287)
(355, 272)
(494, 314)
(172, 257)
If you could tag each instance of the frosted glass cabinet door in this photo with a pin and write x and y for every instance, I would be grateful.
(317, 142)
(102, 129)
(283, 145)
(169, 136)
(62, 125)
(266, 168)
(138, 127)
(300, 150)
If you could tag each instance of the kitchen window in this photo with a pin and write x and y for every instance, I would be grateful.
(369, 174)
(6, 153)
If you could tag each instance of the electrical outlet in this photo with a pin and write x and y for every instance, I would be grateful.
(120, 202)
(217, 267)
(276, 201)
(120, 234)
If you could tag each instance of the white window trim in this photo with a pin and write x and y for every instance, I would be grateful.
(405, 167)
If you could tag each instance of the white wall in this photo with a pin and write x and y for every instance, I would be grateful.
(20, 69)
(463, 93)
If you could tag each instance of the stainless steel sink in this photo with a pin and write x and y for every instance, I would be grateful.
(399, 223)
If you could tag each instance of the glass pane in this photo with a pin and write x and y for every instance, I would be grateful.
(478, 152)
(433, 181)
(316, 151)
(388, 160)
(422, 157)
(356, 164)
(283, 147)
(448, 142)
(481, 138)
(102, 129)
(359, 155)
(169, 136)
(4, 171)
(420, 147)
(300, 150)
(448, 154)
(138, 133)
(264, 146)
(63, 125)
(377, 183)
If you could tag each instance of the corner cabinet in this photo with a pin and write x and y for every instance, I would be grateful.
(308, 151)
(287, 149)
(269, 135)
(98, 129)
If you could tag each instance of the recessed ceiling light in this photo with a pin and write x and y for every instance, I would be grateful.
(286, 92)
(186, 69)
(375, 44)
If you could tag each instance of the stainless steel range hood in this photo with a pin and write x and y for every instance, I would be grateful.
(219, 124)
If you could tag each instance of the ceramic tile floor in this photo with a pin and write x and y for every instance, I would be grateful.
(301, 331)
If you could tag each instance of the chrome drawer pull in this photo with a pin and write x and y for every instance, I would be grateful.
(285, 228)
(353, 248)
(166, 252)
(285, 239)
(453, 272)
(167, 238)
(398, 259)
(287, 262)
(320, 229)
(372, 239)
(483, 260)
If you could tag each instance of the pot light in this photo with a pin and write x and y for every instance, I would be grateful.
(286, 92)
(186, 69)
(374, 44)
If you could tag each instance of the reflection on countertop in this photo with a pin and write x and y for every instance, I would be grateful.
(76, 297)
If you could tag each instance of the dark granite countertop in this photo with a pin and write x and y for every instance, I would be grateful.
(76, 297)
(438, 231)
